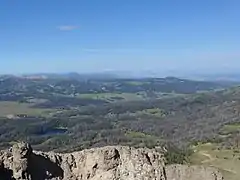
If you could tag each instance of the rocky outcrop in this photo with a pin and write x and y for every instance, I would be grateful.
(107, 163)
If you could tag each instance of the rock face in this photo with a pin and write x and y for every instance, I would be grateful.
(107, 163)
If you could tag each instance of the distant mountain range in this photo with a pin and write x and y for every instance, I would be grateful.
(218, 77)
(72, 75)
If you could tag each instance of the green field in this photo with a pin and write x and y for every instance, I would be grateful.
(154, 112)
(134, 134)
(137, 83)
(113, 96)
(168, 95)
(230, 128)
(226, 160)
(14, 108)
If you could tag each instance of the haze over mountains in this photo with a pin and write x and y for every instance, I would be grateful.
(221, 77)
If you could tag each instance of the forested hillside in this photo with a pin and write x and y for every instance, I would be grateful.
(70, 114)
(63, 114)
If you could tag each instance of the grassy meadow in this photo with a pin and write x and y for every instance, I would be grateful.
(14, 108)
(226, 160)
(113, 96)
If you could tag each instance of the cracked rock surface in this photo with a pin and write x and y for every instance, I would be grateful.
(106, 163)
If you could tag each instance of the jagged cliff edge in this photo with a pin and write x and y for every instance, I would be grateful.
(106, 163)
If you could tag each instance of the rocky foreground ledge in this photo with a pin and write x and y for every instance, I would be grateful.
(107, 163)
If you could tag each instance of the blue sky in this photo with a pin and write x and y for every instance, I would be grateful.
(122, 35)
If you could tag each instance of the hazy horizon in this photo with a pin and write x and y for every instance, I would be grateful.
(163, 37)
(228, 76)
